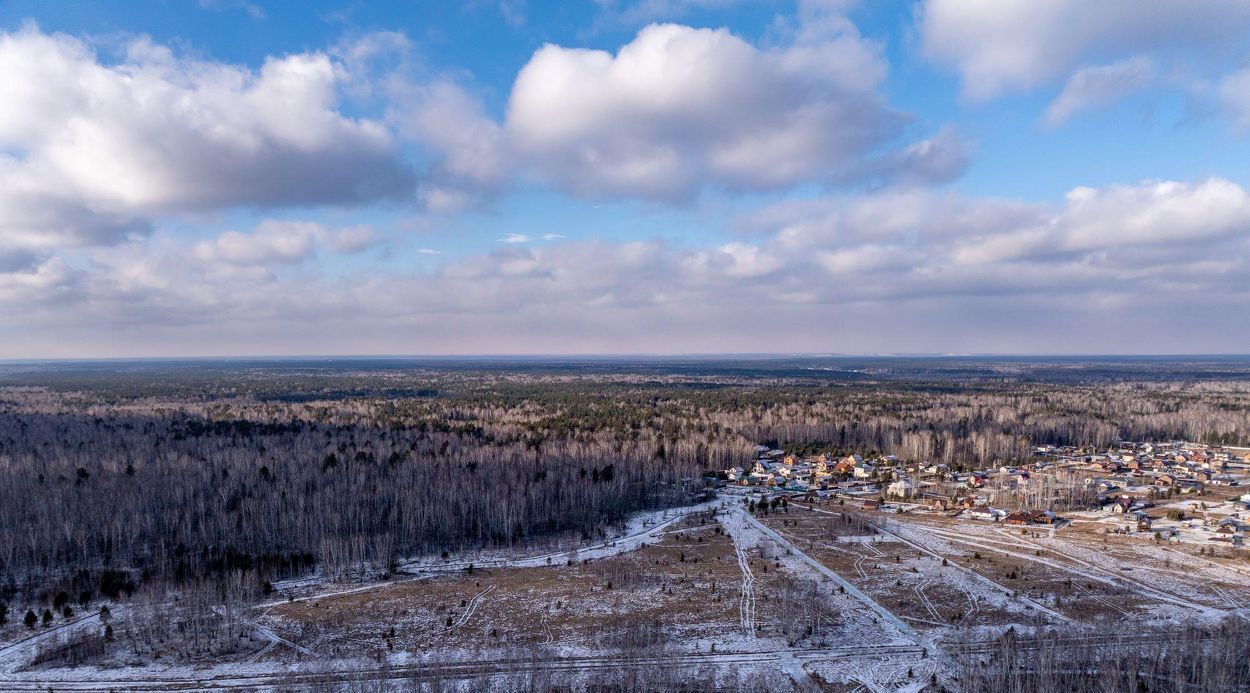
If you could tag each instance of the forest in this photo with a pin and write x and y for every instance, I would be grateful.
(116, 474)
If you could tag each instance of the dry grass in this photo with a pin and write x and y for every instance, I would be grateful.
(685, 586)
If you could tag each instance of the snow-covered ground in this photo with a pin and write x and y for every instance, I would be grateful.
(876, 646)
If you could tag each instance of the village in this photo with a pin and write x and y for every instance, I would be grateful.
(1176, 491)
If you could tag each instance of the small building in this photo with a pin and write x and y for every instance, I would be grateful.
(1121, 505)
(1018, 518)
(984, 512)
(1042, 517)
(900, 489)
(864, 470)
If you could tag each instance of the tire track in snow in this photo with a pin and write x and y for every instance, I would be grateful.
(824, 570)
(746, 601)
(1119, 577)
(918, 588)
(468, 612)
(963, 569)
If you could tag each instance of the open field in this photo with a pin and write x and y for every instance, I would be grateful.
(817, 597)
(687, 582)
(1032, 577)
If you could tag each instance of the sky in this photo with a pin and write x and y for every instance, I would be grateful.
(231, 177)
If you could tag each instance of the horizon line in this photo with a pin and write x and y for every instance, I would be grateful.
(615, 356)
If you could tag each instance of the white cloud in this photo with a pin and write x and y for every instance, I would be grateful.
(284, 242)
(732, 261)
(1100, 86)
(1153, 213)
(908, 270)
(1012, 45)
(39, 284)
(677, 110)
(95, 149)
(444, 116)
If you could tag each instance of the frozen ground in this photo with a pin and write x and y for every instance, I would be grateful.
(708, 587)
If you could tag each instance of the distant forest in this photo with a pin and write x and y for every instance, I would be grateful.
(112, 474)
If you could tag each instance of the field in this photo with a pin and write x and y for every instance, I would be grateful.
(822, 596)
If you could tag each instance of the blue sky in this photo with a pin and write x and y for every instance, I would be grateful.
(661, 176)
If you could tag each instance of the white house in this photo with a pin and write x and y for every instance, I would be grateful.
(900, 489)
(985, 512)
(863, 470)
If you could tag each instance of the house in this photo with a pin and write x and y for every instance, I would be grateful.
(1228, 534)
(758, 478)
(1189, 485)
(1108, 485)
(1043, 517)
(1121, 505)
(863, 470)
(872, 505)
(1018, 518)
(984, 512)
(900, 489)
(846, 465)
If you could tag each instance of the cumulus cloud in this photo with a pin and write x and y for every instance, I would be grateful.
(284, 242)
(1011, 45)
(906, 267)
(1100, 86)
(680, 109)
(443, 116)
(898, 247)
(1154, 213)
(94, 149)
(35, 285)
